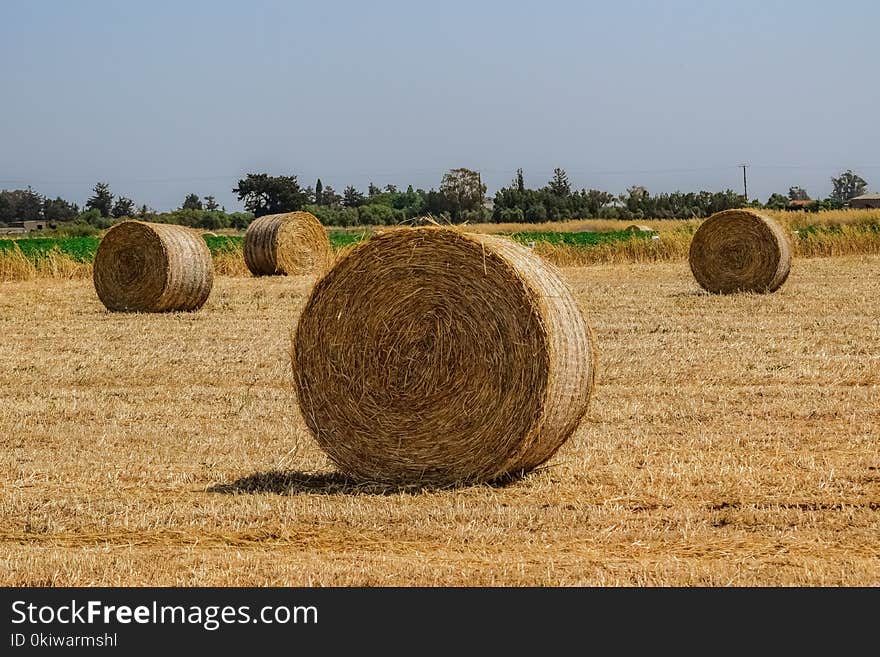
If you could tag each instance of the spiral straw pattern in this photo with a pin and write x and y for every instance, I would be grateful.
(740, 251)
(294, 243)
(430, 356)
(147, 267)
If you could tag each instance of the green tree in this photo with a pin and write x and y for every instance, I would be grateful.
(20, 205)
(211, 204)
(536, 213)
(848, 185)
(463, 190)
(319, 193)
(31, 205)
(559, 184)
(93, 218)
(330, 197)
(101, 199)
(352, 198)
(191, 202)
(777, 201)
(435, 202)
(373, 190)
(520, 181)
(378, 215)
(636, 197)
(124, 207)
(59, 210)
(7, 211)
(264, 194)
(594, 200)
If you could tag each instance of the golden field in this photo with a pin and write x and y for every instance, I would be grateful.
(828, 233)
(730, 441)
(790, 220)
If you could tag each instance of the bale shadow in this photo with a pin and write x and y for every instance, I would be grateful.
(294, 482)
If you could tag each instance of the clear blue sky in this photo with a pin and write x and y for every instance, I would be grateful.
(165, 98)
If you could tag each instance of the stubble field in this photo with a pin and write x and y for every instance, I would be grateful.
(731, 440)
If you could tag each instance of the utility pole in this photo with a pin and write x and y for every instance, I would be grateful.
(745, 182)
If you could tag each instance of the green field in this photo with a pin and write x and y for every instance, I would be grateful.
(583, 239)
(82, 249)
(229, 243)
(810, 239)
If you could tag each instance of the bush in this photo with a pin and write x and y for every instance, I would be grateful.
(77, 228)
(379, 215)
(477, 216)
(509, 216)
(536, 214)
(240, 220)
(334, 216)
(93, 218)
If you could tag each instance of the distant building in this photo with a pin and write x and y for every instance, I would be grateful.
(865, 202)
(29, 226)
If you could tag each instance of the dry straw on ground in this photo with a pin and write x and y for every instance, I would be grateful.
(740, 251)
(146, 267)
(732, 441)
(430, 356)
(292, 243)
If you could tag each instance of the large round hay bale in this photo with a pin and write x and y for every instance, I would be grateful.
(740, 251)
(430, 356)
(291, 243)
(146, 267)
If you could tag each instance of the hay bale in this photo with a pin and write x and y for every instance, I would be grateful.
(292, 243)
(636, 228)
(146, 267)
(740, 251)
(431, 356)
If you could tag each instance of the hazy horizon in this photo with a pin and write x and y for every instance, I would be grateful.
(163, 99)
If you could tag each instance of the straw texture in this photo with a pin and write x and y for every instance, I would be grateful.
(740, 251)
(293, 243)
(146, 267)
(430, 356)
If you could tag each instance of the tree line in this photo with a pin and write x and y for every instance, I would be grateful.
(461, 197)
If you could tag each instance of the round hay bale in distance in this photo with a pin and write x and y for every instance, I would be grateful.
(147, 267)
(636, 228)
(292, 243)
(740, 251)
(431, 356)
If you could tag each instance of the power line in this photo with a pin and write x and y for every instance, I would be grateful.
(423, 171)
(814, 167)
